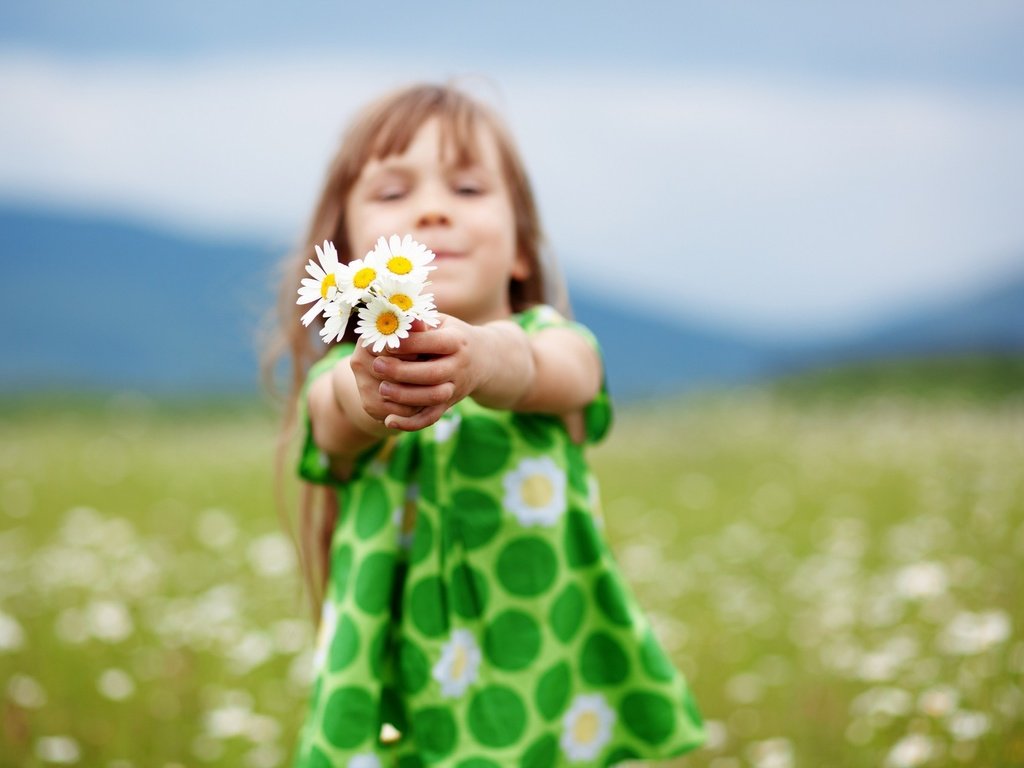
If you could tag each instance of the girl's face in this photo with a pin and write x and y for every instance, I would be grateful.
(463, 214)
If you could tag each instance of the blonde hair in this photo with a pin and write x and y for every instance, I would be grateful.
(384, 128)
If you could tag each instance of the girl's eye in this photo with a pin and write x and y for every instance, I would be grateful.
(390, 193)
(468, 189)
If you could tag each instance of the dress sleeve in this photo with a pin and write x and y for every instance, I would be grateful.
(313, 463)
(598, 413)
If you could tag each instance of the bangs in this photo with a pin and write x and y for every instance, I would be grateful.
(392, 129)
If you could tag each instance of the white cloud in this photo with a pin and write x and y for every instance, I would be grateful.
(227, 146)
(795, 204)
(767, 204)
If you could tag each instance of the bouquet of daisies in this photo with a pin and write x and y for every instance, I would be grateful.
(385, 288)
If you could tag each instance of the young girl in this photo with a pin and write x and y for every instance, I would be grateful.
(473, 615)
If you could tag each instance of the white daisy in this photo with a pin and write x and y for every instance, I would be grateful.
(457, 668)
(328, 621)
(408, 296)
(587, 727)
(356, 279)
(337, 313)
(382, 324)
(365, 760)
(535, 491)
(321, 285)
(402, 258)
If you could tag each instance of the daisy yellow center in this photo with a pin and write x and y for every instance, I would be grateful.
(387, 323)
(326, 284)
(364, 277)
(401, 301)
(399, 265)
(538, 491)
(584, 730)
(459, 662)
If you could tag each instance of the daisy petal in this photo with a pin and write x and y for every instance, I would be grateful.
(312, 313)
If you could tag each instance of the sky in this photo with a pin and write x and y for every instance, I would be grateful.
(778, 168)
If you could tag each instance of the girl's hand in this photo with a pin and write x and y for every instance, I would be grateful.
(555, 371)
(434, 369)
(368, 382)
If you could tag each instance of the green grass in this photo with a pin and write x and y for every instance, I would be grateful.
(977, 379)
(836, 576)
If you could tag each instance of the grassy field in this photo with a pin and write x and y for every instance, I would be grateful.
(836, 568)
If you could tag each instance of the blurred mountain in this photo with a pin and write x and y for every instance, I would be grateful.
(980, 322)
(96, 304)
(646, 356)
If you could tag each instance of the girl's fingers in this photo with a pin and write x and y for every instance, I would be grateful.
(421, 420)
(436, 341)
(417, 396)
(384, 409)
(362, 362)
(423, 372)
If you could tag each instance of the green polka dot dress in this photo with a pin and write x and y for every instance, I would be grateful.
(498, 631)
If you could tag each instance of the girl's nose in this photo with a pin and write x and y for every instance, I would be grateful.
(433, 219)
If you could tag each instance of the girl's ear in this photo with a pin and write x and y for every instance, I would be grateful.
(522, 269)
